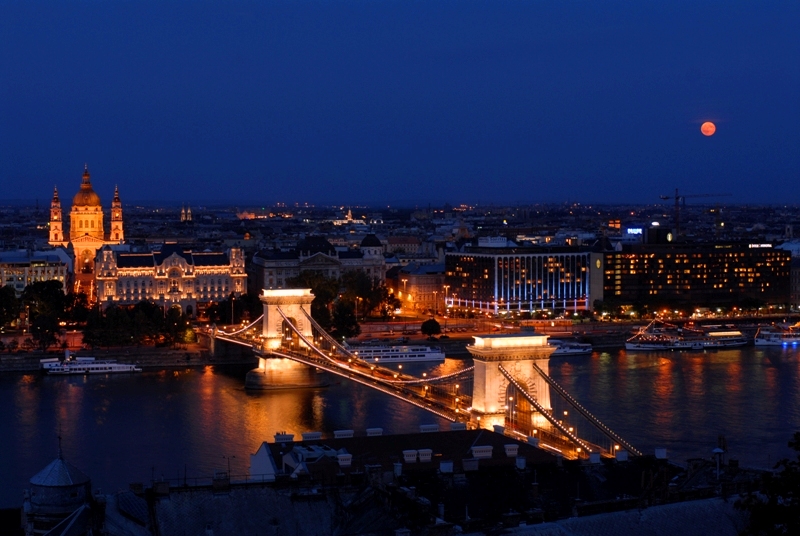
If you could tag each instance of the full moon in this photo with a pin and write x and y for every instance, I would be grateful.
(708, 128)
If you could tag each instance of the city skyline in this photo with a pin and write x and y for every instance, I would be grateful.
(390, 103)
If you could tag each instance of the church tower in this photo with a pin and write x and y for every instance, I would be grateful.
(117, 234)
(56, 222)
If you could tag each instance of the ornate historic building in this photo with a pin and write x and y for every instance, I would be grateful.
(172, 276)
(86, 230)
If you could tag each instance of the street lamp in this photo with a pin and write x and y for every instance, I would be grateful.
(404, 285)
(435, 303)
(444, 296)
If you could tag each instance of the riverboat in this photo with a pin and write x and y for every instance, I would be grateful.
(398, 353)
(88, 365)
(660, 336)
(569, 348)
(773, 336)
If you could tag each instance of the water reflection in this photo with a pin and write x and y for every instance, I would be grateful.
(126, 428)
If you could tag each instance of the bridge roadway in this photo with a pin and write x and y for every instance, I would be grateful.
(325, 353)
(407, 389)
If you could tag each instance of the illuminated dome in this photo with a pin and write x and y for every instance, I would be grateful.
(86, 197)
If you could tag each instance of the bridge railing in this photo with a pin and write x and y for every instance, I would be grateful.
(544, 412)
(608, 432)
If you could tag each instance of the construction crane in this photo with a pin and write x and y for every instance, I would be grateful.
(682, 199)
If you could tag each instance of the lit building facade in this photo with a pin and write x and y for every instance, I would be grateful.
(19, 269)
(702, 275)
(172, 276)
(495, 280)
(795, 285)
(86, 233)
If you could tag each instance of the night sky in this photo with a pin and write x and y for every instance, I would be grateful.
(400, 102)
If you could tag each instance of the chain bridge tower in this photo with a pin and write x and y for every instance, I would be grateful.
(283, 307)
(493, 400)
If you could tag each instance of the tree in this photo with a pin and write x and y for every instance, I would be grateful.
(325, 290)
(45, 298)
(344, 322)
(776, 508)
(175, 326)
(44, 330)
(9, 305)
(76, 307)
(147, 322)
(430, 327)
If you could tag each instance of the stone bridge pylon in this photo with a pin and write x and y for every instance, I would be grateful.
(275, 372)
(492, 393)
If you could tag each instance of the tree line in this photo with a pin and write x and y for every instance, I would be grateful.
(46, 307)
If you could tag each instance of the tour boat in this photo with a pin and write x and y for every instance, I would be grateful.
(569, 348)
(660, 336)
(778, 337)
(398, 354)
(88, 365)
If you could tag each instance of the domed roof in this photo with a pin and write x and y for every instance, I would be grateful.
(371, 241)
(59, 473)
(86, 197)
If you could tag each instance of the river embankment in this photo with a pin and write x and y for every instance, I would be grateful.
(144, 356)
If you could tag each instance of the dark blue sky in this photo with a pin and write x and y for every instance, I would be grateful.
(400, 101)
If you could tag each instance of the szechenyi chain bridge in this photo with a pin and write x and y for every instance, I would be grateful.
(507, 387)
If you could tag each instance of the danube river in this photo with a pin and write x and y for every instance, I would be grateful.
(192, 422)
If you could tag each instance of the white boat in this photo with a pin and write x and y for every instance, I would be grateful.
(778, 337)
(398, 354)
(569, 348)
(88, 365)
(660, 336)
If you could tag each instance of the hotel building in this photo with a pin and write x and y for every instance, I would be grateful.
(495, 280)
(699, 275)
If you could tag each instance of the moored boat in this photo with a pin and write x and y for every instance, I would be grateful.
(87, 365)
(660, 336)
(569, 348)
(774, 336)
(398, 353)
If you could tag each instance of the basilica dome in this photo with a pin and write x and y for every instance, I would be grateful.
(86, 196)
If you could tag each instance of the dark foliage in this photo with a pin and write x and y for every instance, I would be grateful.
(775, 509)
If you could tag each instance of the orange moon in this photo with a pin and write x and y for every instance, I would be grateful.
(708, 128)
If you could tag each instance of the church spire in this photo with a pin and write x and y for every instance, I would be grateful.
(55, 195)
(86, 174)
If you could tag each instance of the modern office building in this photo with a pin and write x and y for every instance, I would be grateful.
(515, 279)
(698, 275)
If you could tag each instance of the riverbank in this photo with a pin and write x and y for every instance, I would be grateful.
(143, 356)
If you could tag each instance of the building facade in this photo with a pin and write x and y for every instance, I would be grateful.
(169, 277)
(271, 269)
(19, 269)
(420, 287)
(707, 275)
(794, 293)
(86, 233)
(495, 280)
